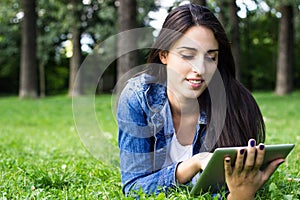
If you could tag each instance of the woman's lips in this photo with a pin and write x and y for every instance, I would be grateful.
(195, 83)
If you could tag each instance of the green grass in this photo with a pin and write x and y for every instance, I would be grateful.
(42, 156)
(282, 119)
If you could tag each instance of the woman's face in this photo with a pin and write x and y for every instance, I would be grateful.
(191, 62)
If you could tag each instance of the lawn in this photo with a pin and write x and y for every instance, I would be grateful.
(43, 157)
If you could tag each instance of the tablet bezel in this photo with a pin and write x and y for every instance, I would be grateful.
(212, 178)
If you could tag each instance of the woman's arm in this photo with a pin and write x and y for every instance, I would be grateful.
(136, 140)
(153, 182)
(187, 169)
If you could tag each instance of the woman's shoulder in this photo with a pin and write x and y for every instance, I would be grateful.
(143, 83)
(146, 88)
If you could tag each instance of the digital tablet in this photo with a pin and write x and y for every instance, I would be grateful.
(212, 178)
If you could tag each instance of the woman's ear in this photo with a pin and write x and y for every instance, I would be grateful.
(163, 57)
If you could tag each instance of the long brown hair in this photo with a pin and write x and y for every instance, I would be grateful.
(243, 117)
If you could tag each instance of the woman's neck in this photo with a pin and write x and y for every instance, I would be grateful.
(183, 106)
(185, 115)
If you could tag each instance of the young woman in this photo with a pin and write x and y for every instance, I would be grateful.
(167, 128)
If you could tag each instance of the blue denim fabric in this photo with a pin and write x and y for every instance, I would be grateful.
(145, 130)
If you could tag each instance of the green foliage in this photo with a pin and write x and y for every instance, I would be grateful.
(259, 52)
(144, 7)
(10, 40)
(42, 157)
(57, 79)
(276, 3)
(98, 20)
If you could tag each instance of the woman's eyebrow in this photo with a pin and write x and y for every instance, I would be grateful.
(188, 48)
(195, 49)
(212, 50)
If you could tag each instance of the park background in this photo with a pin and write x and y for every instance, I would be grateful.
(43, 44)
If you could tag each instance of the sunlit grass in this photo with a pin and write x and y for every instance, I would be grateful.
(42, 156)
(282, 119)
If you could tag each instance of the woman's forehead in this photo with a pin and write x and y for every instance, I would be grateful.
(197, 38)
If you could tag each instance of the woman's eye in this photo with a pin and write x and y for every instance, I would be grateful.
(187, 57)
(212, 58)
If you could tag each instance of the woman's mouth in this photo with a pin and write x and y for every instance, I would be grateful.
(195, 83)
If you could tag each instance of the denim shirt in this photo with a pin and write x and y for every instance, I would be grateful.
(145, 129)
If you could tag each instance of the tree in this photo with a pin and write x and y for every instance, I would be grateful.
(127, 11)
(200, 2)
(28, 72)
(284, 78)
(10, 44)
(230, 20)
(48, 32)
(75, 62)
(98, 21)
(223, 5)
(235, 37)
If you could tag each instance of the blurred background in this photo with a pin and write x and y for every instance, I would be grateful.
(44, 42)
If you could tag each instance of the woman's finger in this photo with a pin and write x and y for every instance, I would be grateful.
(250, 159)
(260, 156)
(271, 168)
(227, 167)
(239, 163)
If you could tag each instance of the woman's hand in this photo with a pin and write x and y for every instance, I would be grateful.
(245, 178)
(187, 169)
(204, 158)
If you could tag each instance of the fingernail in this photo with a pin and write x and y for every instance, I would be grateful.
(252, 143)
(242, 151)
(227, 160)
(261, 147)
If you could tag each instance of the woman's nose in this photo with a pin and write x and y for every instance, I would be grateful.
(199, 66)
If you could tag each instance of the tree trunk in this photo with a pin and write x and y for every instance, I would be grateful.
(42, 79)
(127, 13)
(75, 62)
(248, 66)
(200, 2)
(284, 79)
(235, 37)
(222, 15)
(28, 71)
